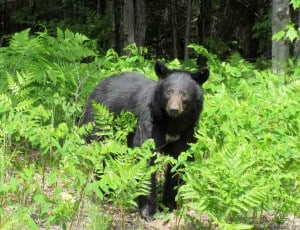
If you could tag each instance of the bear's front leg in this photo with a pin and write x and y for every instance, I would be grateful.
(147, 204)
(171, 182)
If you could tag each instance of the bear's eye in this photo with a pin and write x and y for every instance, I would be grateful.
(183, 94)
(169, 92)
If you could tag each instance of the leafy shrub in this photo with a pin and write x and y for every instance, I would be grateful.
(43, 151)
(247, 150)
(247, 154)
(46, 70)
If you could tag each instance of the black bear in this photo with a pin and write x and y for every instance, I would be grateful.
(167, 111)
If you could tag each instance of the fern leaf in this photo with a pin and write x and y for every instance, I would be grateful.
(103, 120)
(12, 84)
(5, 103)
(20, 39)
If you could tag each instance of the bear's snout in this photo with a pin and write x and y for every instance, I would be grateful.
(174, 106)
(173, 112)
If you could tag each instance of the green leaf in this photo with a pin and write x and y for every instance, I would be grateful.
(236, 226)
(5, 103)
(20, 39)
(39, 198)
(295, 4)
(279, 35)
(291, 33)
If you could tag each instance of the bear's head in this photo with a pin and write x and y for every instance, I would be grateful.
(179, 92)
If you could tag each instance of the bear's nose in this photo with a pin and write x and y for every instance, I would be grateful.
(173, 112)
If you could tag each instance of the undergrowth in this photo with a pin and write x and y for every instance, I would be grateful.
(247, 155)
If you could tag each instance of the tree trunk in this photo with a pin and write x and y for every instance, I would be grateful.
(187, 29)
(204, 20)
(174, 28)
(98, 7)
(297, 42)
(111, 14)
(127, 24)
(140, 22)
(280, 49)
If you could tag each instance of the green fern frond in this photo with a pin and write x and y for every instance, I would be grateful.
(103, 120)
(24, 105)
(227, 184)
(124, 124)
(20, 39)
(18, 84)
(251, 199)
(12, 84)
(5, 103)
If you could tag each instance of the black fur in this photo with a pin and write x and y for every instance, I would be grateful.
(167, 111)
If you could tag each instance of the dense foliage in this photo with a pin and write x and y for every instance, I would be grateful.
(247, 155)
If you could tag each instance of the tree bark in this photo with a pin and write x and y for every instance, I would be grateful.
(204, 20)
(140, 22)
(280, 49)
(174, 28)
(98, 7)
(297, 42)
(113, 33)
(187, 29)
(127, 24)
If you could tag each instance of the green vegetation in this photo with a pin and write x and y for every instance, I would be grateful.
(247, 154)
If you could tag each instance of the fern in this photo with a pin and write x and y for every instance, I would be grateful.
(124, 124)
(109, 126)
(5, 103)
(124, 174)
(74, 48)
(127, 175)
(42, 68)
(37, 55)
(247, 153)
(103, 120)
(225, 186)
(251, 199)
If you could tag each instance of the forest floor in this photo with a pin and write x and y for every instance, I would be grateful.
(132, 221)
(119, 220)
(173, 222)
(95, 216)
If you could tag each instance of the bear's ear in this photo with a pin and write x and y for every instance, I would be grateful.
(161, 70)
(201, 76)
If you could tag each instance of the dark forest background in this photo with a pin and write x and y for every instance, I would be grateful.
(164, 27)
